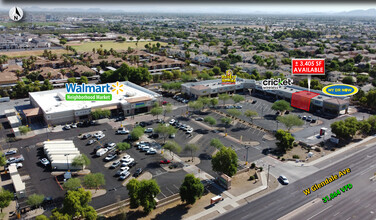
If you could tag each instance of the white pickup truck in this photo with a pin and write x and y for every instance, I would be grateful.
(101, 152)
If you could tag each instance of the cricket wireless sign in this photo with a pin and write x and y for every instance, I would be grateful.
(275, 84)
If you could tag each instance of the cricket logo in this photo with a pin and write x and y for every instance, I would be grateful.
(275, 84)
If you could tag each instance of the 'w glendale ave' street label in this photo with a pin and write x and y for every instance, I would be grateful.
(308, 66)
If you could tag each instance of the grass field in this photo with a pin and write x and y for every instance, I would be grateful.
(27, 53)
(88, 46)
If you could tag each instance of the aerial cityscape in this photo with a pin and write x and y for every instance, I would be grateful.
(188, 112)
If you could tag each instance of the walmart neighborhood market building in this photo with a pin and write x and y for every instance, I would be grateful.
(52, 107)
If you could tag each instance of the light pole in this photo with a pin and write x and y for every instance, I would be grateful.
(267, 181)
(67, 160)
(277, 125)
(246, 147)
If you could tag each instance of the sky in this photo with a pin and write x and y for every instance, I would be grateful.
(291, 8)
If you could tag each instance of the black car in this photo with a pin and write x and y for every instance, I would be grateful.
(86, 136)
(120, 118)
(132, 164)
(142, 124)
(254, 101)
(154, 136)
(93, 122)
(97, 148)
(138, 172)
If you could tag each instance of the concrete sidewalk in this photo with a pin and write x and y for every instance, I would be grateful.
(340, 151)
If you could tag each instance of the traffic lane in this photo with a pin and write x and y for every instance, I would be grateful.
(292, 195)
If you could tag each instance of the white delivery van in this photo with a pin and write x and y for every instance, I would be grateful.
(101, 152)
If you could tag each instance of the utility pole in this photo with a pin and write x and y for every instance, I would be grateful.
(67, 160)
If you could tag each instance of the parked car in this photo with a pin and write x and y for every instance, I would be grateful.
(99, 133)
(164, 103)
(110, 146)
(254, 101)
(115, 164)
(165, 161)
(155, 135)
(122, 171)
(110, 157)
(124, 158)
(101, 136)
(10, 152)
(124, 175)
(122, 131)
(44, 161)
(145, 148)
(74, 125)
(172, 121)
(190, 130)
(309, 118)
(132, 164)
(18, 165)
(287, 112)
(15, 159)
(138, 172)
(127, 162)
(90, 142)
(151, 151)
(304, 118)
(149, 130)
(101, 152)
(93, 122)
(199, 119)
(86, 136)
(172, 136)
(238, 107)
(283, 180)
(66, 127)
(120, 118)
(313, 120)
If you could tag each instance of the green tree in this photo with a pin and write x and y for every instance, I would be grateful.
(191, 148)
(5, 198)
(83, 79)
(234, 112)
(226, 121)
(81, 161)
(156, 111)
(191, 189)
(281, 105)
(196, 105)
(215, 142)
(237, 98)
(3, 159)
(137, 132)
(348, 80)
(76, 206)
(250, 114)
(143, 193)
(122, 146)
(35, 200)
(224, 65)
(72, 184)
(210, 120)
(213, 102)
(41, 217)
(290, 121)
(94, 180)
(165, 130)
(204, 100)
(71, 80)
(286, 140)
(224, 97)
(173, 147)
(345, 129)
(225, 161)
(24, 129)
(167, 109)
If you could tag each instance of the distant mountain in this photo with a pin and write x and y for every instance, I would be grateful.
(368, 12)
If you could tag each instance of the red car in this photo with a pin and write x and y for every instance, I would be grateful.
(165, 162)
(164, 103)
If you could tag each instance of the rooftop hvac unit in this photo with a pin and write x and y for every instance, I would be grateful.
(61, 96)
(130, 94)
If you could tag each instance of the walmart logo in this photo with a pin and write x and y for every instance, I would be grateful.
(91, 92)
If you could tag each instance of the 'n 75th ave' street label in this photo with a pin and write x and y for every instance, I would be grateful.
(88, 97)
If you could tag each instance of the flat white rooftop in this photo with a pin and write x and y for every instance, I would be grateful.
(53, 101)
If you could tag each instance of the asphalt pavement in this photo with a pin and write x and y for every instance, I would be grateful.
(288, 198)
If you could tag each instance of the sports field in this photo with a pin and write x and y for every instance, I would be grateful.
(27, 53)
(88, 46)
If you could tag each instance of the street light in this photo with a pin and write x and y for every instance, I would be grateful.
(246, 147)
(67, 160)
(267, 181)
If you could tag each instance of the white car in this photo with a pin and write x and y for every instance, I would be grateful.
(190, 130)
(141, 142)
(101, 152)
(73, 125)
(149, 130)
(101, 136)
(124, 168)
(91, 142)
(124, 175)
(67, 127)
(172, 135)
(44, 161)
(145, 149)
(151, 151)
(283, 179)
(10, 152)
(172, 121)
(125, 158)
(122, 131)
(111, 146)
(18, 165)
(98, 134)
(127, 162)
